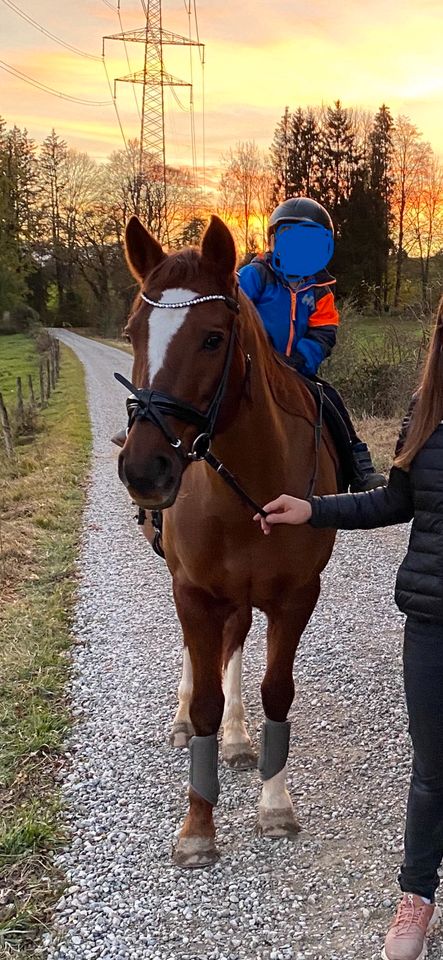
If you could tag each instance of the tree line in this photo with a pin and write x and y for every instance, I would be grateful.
(62, 214)
(381, 183)
(62, 218)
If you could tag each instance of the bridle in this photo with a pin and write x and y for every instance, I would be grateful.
(154, 405)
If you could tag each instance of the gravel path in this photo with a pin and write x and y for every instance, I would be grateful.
(330, 893)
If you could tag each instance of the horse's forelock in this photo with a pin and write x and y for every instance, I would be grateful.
(177, 270)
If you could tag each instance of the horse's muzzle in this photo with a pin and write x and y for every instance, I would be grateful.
(153, 484)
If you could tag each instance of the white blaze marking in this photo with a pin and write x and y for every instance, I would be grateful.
(163, 326)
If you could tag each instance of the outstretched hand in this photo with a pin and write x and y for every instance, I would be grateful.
(284, 509)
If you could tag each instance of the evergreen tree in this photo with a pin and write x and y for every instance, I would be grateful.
(53, 174)
(339, 159)
(12, 278)
(381, 189)
(279, 154)
(303, 166)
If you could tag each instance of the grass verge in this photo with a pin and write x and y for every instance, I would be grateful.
(119, 344)
(42, 502)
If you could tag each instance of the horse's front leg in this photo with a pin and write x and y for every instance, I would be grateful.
(182, 729)
(202, 619)
(276, 817)
(237, 748)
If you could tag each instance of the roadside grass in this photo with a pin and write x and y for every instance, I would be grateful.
(119, 344)
(42, 497)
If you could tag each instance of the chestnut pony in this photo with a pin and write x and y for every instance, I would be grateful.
(203, 364)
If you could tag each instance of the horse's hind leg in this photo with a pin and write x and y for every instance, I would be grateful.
(182, 729)
(285, 626)
(236, 744)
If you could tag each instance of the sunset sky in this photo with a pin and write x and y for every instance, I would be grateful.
(260, 56)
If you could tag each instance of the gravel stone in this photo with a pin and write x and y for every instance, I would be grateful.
(328, 895)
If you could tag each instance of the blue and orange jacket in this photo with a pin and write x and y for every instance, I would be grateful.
(302, 323)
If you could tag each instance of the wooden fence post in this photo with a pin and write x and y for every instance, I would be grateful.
(20, 405)
(53, 370)
(9, 446)
(31, 390)
(42, 385)
(48, 373)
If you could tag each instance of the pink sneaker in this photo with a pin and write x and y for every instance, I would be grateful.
(406, 937)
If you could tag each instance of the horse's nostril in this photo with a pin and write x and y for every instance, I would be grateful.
(156, 474)
(161, 466)
(121, 470)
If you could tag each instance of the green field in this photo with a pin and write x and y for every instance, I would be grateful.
(371, 329)
(42, 502)
(18, 358)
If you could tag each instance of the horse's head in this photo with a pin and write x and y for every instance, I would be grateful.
(182, 331)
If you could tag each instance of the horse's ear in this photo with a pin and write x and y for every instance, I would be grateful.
(143, 253)
(218, 246)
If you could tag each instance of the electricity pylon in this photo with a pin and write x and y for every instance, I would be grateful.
(154, 79)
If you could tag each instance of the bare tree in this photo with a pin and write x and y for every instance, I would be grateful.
(424, 217)
(129, 191)
(410, 156)
(239, 181)
(265, 197)
(82, 187)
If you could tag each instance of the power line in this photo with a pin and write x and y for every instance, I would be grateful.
(191, 100)
(47, 33)
(127, 58)
(201, 53)
(115, 106)
(55, 93)
(52, 36)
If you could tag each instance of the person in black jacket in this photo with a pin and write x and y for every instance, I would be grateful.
(414, 492)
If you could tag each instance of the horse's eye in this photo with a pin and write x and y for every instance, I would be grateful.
(213, 341)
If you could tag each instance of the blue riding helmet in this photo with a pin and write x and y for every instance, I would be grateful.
(301, 249)
(303, 238)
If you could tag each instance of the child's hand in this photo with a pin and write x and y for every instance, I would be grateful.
(284, 510)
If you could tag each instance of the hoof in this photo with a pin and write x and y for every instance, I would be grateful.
(239, 756)
(193, 852)
(181, 734)
(278, 823)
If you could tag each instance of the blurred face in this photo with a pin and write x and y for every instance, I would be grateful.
(301, 249)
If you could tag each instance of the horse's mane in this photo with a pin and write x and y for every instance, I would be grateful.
(288, 390)
(178, 268)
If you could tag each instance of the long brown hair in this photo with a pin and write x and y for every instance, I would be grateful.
(428, 410)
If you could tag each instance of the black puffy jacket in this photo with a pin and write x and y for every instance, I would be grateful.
(416, 494)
